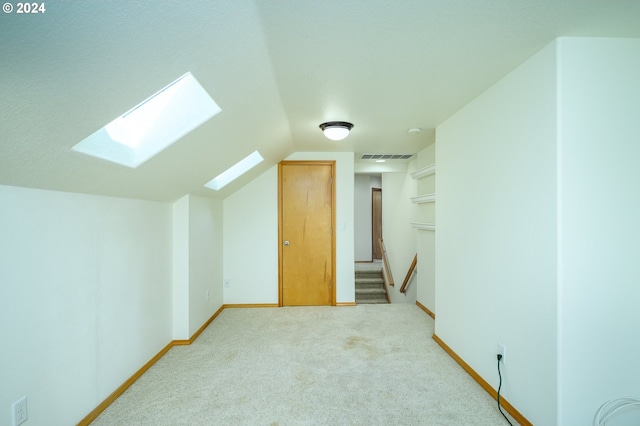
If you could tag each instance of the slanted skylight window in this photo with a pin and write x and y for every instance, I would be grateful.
(235, 171)
(152, 125)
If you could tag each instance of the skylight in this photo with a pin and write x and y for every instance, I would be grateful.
(235, 171)
(153, 124)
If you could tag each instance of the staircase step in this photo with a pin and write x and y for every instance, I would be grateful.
(366, 274)
(360, 287)
(372, 280)
(370, 293)
(371, 301)
(371, 297)
(369, 285)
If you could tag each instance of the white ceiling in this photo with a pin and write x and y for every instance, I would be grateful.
(277, 68)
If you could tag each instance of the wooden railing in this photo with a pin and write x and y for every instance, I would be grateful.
(385, 261)
(386, 288)
(403, 288)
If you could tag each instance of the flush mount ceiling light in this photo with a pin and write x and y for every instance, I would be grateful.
(336, 130)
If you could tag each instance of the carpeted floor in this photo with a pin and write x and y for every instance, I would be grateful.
(363, 365)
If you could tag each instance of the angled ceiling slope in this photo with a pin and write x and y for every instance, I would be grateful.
(153, 124)
(384, 66)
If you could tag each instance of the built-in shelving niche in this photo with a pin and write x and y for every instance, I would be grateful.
(424, 226)
(425, 198)
(424, 171)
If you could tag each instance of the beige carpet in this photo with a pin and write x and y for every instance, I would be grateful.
(363, 365)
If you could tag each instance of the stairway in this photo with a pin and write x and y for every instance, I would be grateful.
(369, 283)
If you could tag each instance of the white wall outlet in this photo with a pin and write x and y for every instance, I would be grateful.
(19, 411)
(502, 350)
(227, 282)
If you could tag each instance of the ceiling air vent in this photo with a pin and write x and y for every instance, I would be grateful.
(386, 156)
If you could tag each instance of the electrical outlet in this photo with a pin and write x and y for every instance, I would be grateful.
(19, 411)
(227, 283)
(502, 350)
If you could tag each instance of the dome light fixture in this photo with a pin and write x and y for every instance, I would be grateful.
(336, 130)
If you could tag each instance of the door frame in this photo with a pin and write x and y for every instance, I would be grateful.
(374, 240)
(331, 163)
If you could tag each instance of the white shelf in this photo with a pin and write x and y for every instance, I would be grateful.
(426, 198)
(424, 172)
(424, 226)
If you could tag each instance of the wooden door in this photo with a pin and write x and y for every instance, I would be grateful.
(376, 221)
(306, 233)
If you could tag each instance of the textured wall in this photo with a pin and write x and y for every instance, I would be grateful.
(598, 217)
(496, 235)
(85, 298)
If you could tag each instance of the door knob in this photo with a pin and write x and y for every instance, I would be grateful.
(286, 242)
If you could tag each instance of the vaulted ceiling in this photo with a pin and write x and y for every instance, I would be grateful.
(277, 68)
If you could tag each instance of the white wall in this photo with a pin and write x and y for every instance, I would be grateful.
(363, 215)
(181, 269)
(426, 240)
(537, 230)
(85, 298)
(197, 263)
(599, 275)
(496, 235)
(246, 243)
(205, 260)
(375, 181)
(251, 242)
(398, 211)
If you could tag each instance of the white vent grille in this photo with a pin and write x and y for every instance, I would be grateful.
(386, 156)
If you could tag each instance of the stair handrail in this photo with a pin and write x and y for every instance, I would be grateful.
(385, 261)
(403, 288)
(386, 287)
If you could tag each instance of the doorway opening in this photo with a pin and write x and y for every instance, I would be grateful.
(367, 225)
(376, 223)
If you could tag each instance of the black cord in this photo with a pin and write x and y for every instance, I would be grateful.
(499, 386)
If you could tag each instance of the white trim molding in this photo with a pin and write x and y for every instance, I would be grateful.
(424, 226)
(426, 198)
(424, 171)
